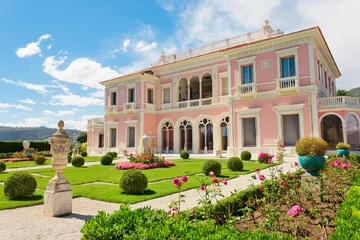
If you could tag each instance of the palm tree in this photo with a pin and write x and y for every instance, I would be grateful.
(342, 92)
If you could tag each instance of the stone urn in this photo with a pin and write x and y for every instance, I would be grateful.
(146, 140)
(26, 144)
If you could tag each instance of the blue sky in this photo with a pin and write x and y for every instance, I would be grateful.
(54, 53)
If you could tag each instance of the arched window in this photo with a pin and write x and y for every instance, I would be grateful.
(167, 137)
(185, 135)
(206, 86)
(224, 133)
(206, 135)
(332, 130)
(352, 132)
(183, 90)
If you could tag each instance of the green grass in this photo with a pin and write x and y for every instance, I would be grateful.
(5, 203)
(113, 193)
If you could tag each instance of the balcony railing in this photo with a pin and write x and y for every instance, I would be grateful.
(246, 89)
(112, 109)
(287, 84)
(339, 101)
(96, 121)
(166, 106)
(195, 103)
(128, 107)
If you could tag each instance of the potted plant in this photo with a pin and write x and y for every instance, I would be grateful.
(342, 149)
(311, 151)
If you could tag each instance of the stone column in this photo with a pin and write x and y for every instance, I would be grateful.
(58, 194)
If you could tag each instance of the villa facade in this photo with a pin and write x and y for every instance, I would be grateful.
(228, 96)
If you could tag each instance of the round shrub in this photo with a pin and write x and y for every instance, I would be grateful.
(245, 155)
(106, 159)
(184, 155)
(212, 166)
(311, 146)
(69, 158)
(133, 182)
(84, 154)
(2, 167)
(40, 160)
(114, 154)
(235, 164)
(20, 185)
(78, 161)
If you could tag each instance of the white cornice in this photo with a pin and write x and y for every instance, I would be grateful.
(131, 78)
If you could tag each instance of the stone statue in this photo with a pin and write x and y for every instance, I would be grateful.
(146, 141)
(26, 145)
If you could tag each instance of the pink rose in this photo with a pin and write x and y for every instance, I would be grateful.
(257, 169)
(192, 212)
(261, 177)
(224, 181)
(336, 163)
(282, 183)
(269, 161)
(214, 180)
(265, 202)
(345, 166)
(262, 155)
(169, 211)
(282, 145)
(212, 174)
(261, 188)
(295, 210)
(175, 209)
(184, 178)
(202, 187)
(296, 164)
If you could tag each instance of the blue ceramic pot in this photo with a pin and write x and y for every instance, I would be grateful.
(312, 164)
(342, 152)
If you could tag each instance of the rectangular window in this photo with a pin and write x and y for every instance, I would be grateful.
(101, 140)
(321, 74)
(330, 86)
(166, 95)
(113, 137)
(326, 82)
(225, 86)
(247, 74)
(113, 98)
(150, 96)
(131, 137)
(291, 129)
(319, 70)
(249, 131)
(288, 67)
(131, 95)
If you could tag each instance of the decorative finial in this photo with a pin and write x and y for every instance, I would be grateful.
(61, 124)
(266, 23)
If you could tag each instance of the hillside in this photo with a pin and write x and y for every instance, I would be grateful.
(355, 92)
(27, 133)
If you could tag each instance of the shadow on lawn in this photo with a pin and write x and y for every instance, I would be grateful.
(147, 192)
(32, 198)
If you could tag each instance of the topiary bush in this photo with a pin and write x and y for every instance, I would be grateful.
(20, 185)
(114, 154)
(2, 167)
(235, 164)
(212, 166)
(111, 155)
(245, 155)
(311, 146)
(40, 160)
(106, 159)
(84, 154)
(184, 155)
(133, 182)
(69, 158)
(78, 161)
(342, 145)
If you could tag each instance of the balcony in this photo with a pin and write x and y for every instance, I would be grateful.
(112, 109)
(289, 84)
(195, 103)
(96, 121)
(246, 90)
(341, 101)
(129, 107)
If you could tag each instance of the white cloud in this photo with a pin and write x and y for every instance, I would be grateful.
(84, 88)
(16, 106)
(3, 111)
(75, 100)
(82, 71)
(28, 101)
(32, 48)
(80, 124)
(124, 48)
(28, 122)
(167, 5)
(142, 46)
(98, 94)
(60, 113)
(40, 88)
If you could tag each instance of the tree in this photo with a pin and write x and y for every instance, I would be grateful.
(82, 138)
(342, 92)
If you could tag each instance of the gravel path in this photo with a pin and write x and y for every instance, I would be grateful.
(29, 223)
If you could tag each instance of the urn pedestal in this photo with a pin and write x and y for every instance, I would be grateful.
(58, 194)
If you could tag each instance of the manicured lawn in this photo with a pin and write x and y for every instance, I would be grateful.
(112, 193)
(5, 203)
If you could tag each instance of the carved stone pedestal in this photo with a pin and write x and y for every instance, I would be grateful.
(311, 184)
(57, 198)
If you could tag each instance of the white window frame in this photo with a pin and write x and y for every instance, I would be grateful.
(222, 76)
(98, 138)
(150, 87)
(163, 87)
(128, 87)
(245, 62)
(112, 90)
(131, 123)
(287, 53)
(248, 113)
(289, 110)
(113, 126)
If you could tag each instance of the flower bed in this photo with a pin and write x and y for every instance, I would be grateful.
(143, 166)
(16, 159)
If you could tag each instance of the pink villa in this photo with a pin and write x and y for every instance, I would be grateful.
(237, 94)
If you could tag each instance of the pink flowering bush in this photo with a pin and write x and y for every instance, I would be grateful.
(295, 210)
(175, 206)
(143, 166)
(17, 159)
(265, 158)
(146, 158)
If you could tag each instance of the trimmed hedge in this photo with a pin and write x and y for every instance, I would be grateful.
(2, 167)
(184, 155)
(15, 146)
(78, 161)
(40, 160)
(20, 185)
(106, 159)
(245, 155)
(133, 182)
(212, 166)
